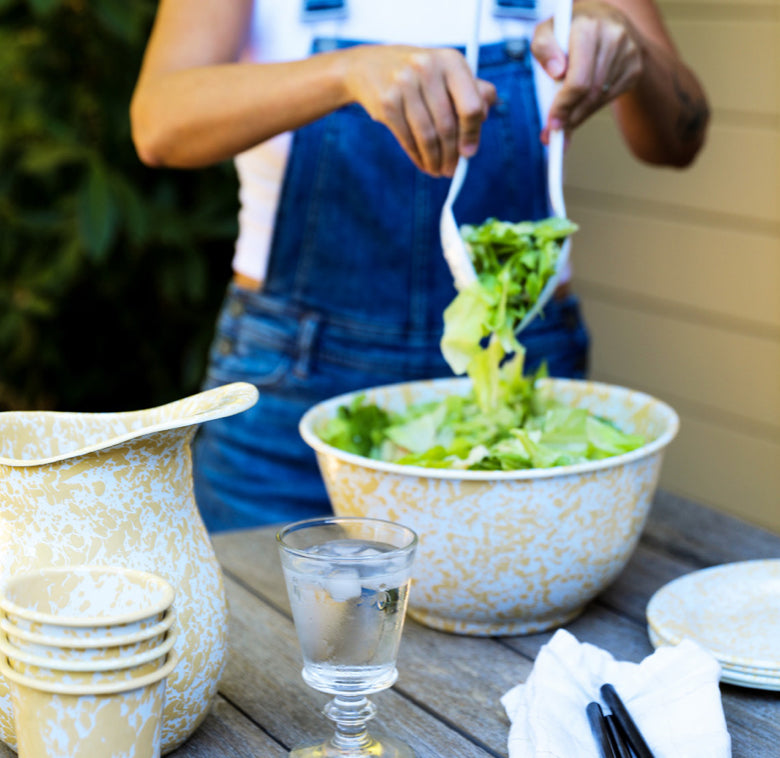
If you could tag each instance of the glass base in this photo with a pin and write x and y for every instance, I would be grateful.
(382, 747)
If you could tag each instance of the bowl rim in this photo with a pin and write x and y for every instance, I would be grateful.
(306, 430)
(90, 665)
(89, 643)
(108, 688)
(147, 578)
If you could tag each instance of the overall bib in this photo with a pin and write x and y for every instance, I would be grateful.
(356, 288)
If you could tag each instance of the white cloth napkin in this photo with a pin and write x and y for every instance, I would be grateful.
(672, 695)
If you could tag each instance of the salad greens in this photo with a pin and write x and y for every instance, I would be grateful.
(525, 430)
(513, 262)
(504, 422)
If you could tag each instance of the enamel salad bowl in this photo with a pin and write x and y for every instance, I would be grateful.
(506, 552)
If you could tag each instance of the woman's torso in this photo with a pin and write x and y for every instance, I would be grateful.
(277, 33)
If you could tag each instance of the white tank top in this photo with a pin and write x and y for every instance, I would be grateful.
(278, 34)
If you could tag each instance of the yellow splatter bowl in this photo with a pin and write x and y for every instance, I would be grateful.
(85, 601)
(506, 552)
(55, 719)
(75, 671)
(91, 648)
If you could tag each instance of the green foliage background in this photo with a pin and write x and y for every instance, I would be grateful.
(111, 273)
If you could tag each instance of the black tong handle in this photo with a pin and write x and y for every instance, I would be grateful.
(626, 723)
(598, 725)
(619, 745)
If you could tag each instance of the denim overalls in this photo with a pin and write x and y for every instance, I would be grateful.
(356, 287)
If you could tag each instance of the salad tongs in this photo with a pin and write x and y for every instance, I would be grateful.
(561, 28)
(455, 251)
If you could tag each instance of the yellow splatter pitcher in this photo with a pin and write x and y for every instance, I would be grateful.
(116, 489)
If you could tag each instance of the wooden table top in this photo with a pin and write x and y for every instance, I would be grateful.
(446, 703)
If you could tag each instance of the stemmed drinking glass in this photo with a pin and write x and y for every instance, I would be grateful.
(348, 582)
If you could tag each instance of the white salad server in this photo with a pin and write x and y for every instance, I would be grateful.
(455, 251)
(561, 28)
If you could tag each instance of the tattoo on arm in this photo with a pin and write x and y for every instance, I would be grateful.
(694, 113)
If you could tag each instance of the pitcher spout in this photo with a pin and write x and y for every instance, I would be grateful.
(34, 438)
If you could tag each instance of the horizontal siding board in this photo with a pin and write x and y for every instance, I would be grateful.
(729, 375)
(734, 472)
(736, 174)
(680, 270)
(736, 60)
(723, 273)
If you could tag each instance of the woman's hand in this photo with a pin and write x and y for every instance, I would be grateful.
(428, 98)
(604, 61)
(621, 53)
(195, 105)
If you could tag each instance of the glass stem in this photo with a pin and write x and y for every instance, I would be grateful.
(350, 714)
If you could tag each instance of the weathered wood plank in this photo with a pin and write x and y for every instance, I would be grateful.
(751, 716)
(680, 537)
(228, 734)
(704, 536)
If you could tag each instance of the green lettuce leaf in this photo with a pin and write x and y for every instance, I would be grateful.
(357, 428)
(513, 262)
(502, 424)
(524, 431)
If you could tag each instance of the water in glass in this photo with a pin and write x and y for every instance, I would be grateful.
(348, 582)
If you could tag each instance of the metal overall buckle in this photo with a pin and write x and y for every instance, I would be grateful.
(517, 9)
(313, 11)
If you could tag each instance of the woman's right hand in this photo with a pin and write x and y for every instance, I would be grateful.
(195, 104)
(427, 97)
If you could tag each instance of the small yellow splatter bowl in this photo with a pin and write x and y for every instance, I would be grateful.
(506, 552)
(77, 671)
(87, 649)
(60, 720)
(86, 601)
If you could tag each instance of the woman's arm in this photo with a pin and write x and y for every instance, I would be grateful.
(621, 53)
(195, 105)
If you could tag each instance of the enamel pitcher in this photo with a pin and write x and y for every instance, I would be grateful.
(116, 489)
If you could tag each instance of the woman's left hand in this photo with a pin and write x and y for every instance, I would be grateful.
(604, 61)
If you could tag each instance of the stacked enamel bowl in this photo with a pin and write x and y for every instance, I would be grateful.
(86, 652)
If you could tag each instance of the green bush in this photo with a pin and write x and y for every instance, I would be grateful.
(110, 273)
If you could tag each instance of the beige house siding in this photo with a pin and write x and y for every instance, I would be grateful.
(679, 272)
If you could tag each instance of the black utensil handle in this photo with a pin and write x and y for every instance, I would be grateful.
(634, 736)
(619, 745)
(598, 726)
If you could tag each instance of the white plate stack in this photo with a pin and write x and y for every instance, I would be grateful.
(732, 610)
